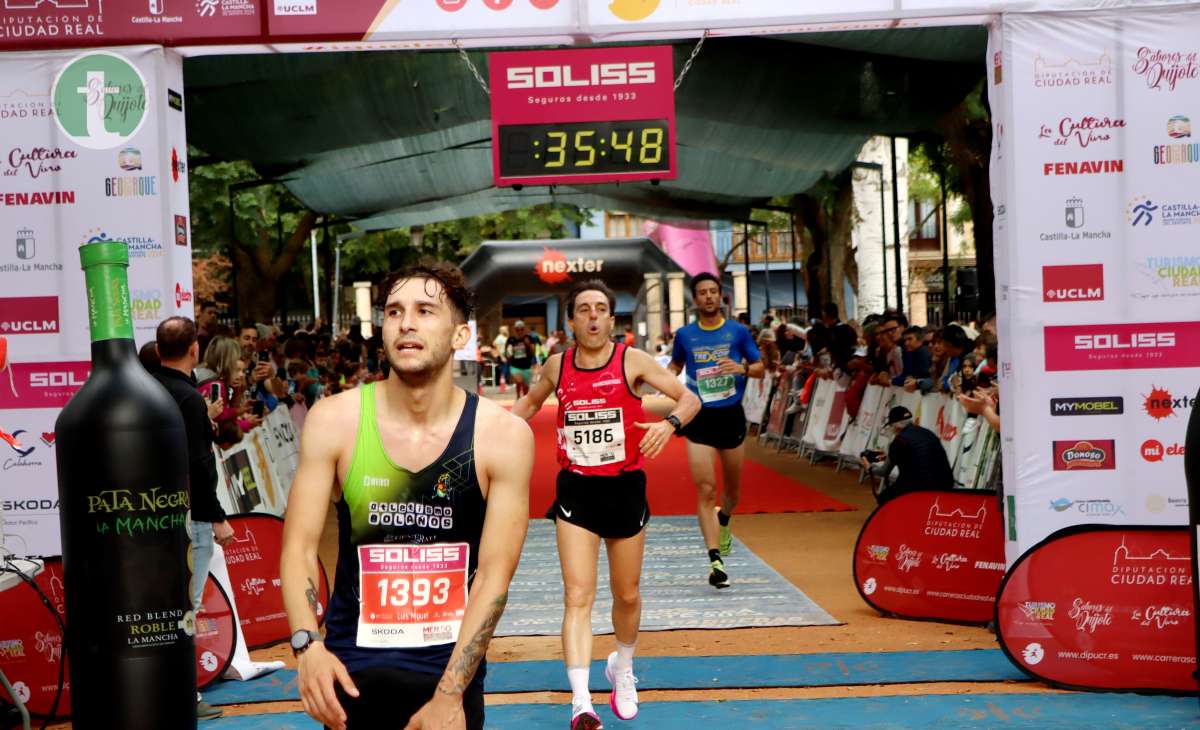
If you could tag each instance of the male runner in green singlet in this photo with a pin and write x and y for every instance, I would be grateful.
(431, 520)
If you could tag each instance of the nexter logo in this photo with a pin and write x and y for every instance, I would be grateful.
(598, 74)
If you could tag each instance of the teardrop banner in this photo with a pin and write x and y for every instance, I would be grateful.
(1103, 608)
(31, 640)
(253, 562)
(935, 555)
(216, 635)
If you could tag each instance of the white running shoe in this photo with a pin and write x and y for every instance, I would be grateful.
(624, 699)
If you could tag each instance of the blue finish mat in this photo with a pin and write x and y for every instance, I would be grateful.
(1093, 711)
(675, 589)
(778, 670)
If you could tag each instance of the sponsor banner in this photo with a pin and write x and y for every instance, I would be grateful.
(28, 473)
(377, 20)
(41, 384)
(29, 315)
(253, 562)
(1094, 109)
(31, 642)
(216, 634)
(33, 24)
(932, 555)
(1085, 455)
(588, 115)
(1103, 608)
(1150, 345)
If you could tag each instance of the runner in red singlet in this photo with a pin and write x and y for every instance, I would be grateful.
(603, 438)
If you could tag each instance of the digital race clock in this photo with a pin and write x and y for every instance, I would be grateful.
(576, 116)
(536, 150)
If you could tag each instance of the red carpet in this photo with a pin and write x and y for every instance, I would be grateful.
(670, 485)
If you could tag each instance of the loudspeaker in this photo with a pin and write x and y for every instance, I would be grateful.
(966, 298)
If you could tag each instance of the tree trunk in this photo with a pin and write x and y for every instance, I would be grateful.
(839, 239)
(260, 269)
(970, 142)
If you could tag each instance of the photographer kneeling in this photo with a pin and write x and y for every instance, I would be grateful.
(918, 455)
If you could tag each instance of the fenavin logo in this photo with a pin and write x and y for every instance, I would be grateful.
(1100, 406)
(99, 100)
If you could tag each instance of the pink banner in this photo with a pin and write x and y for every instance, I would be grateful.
(1123, 346)
(689, 244)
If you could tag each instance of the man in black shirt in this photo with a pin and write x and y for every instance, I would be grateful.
(522, 353)
(917, 453)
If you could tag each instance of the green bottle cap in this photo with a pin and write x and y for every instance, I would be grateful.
(110, 313)
(105, 252)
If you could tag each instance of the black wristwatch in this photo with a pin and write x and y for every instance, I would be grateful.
(674, 422)
(302, 640)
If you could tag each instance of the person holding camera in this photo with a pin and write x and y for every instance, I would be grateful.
(916, 452)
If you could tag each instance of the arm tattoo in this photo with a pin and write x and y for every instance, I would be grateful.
(455, 681)
(311, 594)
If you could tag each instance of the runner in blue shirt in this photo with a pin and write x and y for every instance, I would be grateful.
(718, 356)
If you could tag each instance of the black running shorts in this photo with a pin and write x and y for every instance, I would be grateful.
(612, 507)
(388, 698)
(720, 428)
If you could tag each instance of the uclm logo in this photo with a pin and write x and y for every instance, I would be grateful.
(1122, 346)
(596, 74)
(555, 268)
(1095, 454)
(28, 315)
(1074, 283)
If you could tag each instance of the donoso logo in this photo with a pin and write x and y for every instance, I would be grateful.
(1122, 346)
(1073, 283)
(597, 74)
(1085, 455)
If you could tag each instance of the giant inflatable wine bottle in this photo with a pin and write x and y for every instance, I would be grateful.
(122, 485)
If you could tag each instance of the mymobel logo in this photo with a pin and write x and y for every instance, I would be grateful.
(555, 268)
(99, 100)
(1110, 406)
(597, 74)
(295, 7)
(1073, 283)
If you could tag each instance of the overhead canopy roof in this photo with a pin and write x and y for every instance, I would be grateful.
(402, 138)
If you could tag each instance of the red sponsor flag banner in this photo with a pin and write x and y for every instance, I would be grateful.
(1122, 346)
(29, 24)
(932, 555)
(41, 384)
(31, 642)
(253, 562)
(216, 636)
(583, 115)
(1103, 608)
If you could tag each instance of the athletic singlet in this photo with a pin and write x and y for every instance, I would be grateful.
(415, 536)
(596, 416)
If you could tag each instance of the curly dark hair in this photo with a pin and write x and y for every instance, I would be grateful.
(591, 285)
(454, 284)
